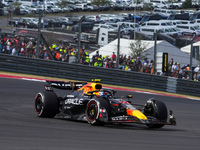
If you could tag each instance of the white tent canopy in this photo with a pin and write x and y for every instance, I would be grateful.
(124, 47)
(162, 46)
(187, 48)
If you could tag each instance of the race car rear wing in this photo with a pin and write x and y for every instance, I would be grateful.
(66, 85)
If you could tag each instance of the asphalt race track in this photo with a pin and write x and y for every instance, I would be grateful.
(21, 129)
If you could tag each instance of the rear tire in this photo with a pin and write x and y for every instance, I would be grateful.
(93, 110)
(46, 104)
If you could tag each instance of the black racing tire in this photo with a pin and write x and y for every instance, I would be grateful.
(159, 112)
(93, 110)
(46, 104)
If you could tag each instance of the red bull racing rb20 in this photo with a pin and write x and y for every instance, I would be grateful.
(98, 106)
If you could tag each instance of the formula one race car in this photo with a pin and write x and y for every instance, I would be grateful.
(92, 103)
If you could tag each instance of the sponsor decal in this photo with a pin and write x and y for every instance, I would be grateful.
(165, 62)
(79, 85)
(62, 85)
(75, 101)
(70, 95)
(119, 118)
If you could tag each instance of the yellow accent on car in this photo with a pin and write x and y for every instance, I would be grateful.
(130, 96)
(91, 87)
(138, 114)
(96, 80)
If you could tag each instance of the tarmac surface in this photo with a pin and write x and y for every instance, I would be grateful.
(21, 129)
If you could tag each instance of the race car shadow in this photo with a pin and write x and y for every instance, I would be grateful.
(126, 126)
(140, 127)
(71, 120)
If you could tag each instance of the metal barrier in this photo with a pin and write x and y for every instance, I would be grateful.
(86, 73)
(188, 87)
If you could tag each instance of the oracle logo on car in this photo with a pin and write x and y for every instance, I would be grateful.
(74, 101)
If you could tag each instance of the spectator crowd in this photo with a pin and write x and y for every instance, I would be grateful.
(27, 47)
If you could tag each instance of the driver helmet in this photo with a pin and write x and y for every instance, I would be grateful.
(103, 94)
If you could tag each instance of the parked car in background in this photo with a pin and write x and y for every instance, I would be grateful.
(92, 7)
(81, 7)
(92, 18)
(85, 27)
(53, 22)
(137, 6)
(160, 4)
(104, 26)
(195, 22)
(75, 18)
(176, 5)
(183, 16)
(55, 9)
(164, 12)
(46, 8)
(132, 25)
(119, 18)
(189, 28)
(32, 8)
(171, 31)
(66, 21)
(116, 6)
(108, 17)
(150, 30)
(151, 17)
(180, 32)
(154, 23)
(26, 8)
(176, 22)
(66, 9)
(194, 16)
(135, 16)
(24, 22)
(125, 29)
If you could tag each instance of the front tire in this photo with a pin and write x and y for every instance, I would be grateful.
(46, 104)
(158, 110)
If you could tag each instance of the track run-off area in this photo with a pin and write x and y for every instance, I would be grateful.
(21, 129)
